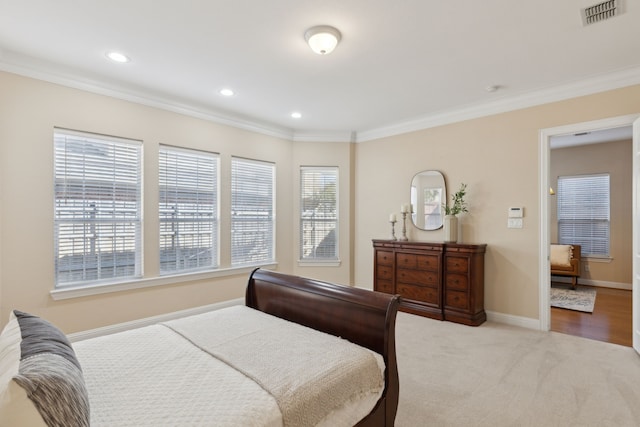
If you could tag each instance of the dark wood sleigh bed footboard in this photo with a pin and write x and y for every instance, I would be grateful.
(361, 316)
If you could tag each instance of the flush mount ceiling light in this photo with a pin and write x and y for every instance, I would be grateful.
(322, 39)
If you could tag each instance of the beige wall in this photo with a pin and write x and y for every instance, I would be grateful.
(614, 158)
(498, 157)
(29, 111)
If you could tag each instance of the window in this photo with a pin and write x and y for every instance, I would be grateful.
(583, 213)
(188, 209)
(428, 206)
(252, 212)
(97, 208)
(318, 213)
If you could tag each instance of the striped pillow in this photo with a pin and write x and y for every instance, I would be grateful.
(41, 379)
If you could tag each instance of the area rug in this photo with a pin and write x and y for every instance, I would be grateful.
(581, 299)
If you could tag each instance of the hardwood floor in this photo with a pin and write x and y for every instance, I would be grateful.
(610, 321)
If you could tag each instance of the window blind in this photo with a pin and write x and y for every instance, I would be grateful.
(188, 210)
(97, 208)
(318, 213)
(583, 212)
(252, 211)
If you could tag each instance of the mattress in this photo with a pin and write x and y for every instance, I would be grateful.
(230, 367)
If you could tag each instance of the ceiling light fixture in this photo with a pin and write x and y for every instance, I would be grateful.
(226, 92)
(296, 115)
(118, 57)
(322, 39)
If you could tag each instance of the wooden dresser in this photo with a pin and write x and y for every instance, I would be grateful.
(439, 280)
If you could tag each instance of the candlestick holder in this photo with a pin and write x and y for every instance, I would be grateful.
(404, 237)
(393, 230)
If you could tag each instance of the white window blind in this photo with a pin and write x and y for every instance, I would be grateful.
(318, 213)
(97, 208)
(252, 211)
(188, 209)
(583, 212)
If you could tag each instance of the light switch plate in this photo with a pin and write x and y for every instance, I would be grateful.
(514, 223)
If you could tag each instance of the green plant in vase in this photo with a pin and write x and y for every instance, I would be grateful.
(459, 205)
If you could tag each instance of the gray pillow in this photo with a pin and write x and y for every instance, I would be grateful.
(49, 372)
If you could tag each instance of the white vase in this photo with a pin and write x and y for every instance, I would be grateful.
(450, 228)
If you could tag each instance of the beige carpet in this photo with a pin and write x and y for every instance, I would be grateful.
(499, 375)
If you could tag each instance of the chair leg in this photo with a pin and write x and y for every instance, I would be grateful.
(574, 282)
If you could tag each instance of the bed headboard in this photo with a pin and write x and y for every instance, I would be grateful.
(361, 316)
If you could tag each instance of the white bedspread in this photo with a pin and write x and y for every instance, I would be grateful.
(154, 376)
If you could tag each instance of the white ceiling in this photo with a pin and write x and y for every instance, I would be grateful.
(401, 64)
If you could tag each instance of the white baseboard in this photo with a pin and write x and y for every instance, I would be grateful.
(509, 319)
(139, 323)
(529, 323)
(597, 283)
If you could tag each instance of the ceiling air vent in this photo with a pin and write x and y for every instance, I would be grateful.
(600, 12)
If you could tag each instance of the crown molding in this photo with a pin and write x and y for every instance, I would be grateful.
(588, 86)
(45, 72)
(40, 70)
(324, 136)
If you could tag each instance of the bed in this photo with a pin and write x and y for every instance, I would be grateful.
(299, 352)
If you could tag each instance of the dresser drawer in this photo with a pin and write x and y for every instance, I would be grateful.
(457, 282)
(384, 258)
(419, 293)
(417, 277)
(384, 272)
(404, 260)
(384, 286)
(457, 299)
(457, 264)
(428, 262)
(420, 262)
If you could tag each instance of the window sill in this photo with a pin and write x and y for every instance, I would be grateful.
(104, 288)
(605, 259)
(319, 263)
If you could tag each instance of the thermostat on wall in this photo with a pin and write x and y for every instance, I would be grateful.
(516, 212)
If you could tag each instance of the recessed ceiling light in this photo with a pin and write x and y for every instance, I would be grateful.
(296, 115)
(226, 92)
(118, 57)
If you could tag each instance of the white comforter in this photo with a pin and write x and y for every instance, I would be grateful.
(217, 369)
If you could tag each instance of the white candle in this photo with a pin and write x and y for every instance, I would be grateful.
(403, 208)
(392, 218)
(411, 208)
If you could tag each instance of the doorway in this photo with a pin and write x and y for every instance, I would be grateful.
(546, 136)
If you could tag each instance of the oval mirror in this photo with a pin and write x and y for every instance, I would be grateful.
(428, 192)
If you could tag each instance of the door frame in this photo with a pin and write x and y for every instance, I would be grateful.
(635, 303)
(544, 157)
